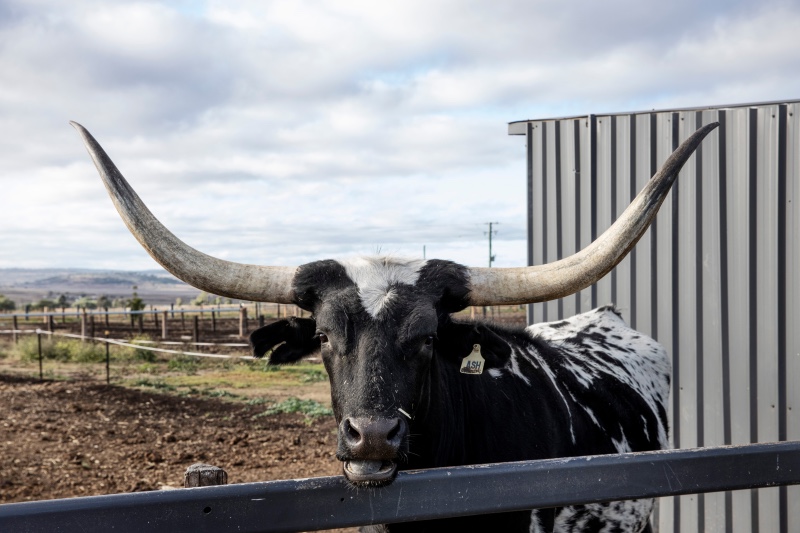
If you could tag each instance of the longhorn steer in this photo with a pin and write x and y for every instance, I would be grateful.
(395, 355)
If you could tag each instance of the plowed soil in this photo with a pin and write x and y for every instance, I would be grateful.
(79, 438)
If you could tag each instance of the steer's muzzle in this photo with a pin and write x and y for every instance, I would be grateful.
(369, 447)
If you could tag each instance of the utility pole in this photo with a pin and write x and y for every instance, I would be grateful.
(490, 233)
(491, 256)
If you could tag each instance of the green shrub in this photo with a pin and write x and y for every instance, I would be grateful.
(66, 350)
(126, 353)
(156, 384)
(296, 405)
(312, 375)
(183, 363)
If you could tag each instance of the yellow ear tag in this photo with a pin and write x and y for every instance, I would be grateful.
(473, 363)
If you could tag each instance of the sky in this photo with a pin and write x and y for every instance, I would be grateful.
(283, 132)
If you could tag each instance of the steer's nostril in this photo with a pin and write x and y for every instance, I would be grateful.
(394, 431)
(352, 433)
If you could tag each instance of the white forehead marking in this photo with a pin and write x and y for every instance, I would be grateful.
(375, 276)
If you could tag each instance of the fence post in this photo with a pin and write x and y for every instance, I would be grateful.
(83, 325)
(16, 339)
(108, 360)
(141, 321)
(91, 325)
(106, 308)
(50, 323)
(164, 326)
(196, 329)
(39, 339)
(183, 322)
(261, 321)
(213, 321)
(172, 309)
(242, 321)
(203, 475)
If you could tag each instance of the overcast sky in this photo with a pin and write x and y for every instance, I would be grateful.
(284, 132)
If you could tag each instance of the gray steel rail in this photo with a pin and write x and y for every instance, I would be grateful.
(328, 502)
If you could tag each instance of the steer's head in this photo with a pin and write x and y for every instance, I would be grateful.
(376, 320)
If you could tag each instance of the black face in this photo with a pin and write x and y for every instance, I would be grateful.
(376, 324)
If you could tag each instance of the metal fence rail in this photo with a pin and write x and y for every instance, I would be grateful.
(322, 503)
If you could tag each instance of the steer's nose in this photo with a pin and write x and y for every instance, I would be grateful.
(373, 438)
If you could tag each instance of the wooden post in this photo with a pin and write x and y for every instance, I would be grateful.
(39, 339)
(242, 322)
(50, 323)
(83, 325)
(106, 316)
(16, 338)
(108, 361)
(183, 322)
(278, 311)
(196, 329)
(202, 475)
(141, 322)
(213, 321)
(164, 326)
(261, 321)
(155, 318)
(91, 325)
(172, 309)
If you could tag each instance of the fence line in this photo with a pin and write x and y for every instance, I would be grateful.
(138, 346)
(329, 502)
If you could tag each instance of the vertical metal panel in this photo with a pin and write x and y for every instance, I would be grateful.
(587, 205)
(711, 430)
(643, 264)
(621, 294)
(766, 298)
(539, 207)
(793, 295)
(715, 280)
(738, 295)
(532, 244)
(664, 291)
(554, 180)
(569, 196)
(690, 331)
(604, 193)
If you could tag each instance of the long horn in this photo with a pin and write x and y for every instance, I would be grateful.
(499, 286)
(225, 278)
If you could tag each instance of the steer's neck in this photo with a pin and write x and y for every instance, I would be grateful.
(474, 419)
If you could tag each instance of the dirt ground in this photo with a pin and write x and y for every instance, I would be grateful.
(61, 439)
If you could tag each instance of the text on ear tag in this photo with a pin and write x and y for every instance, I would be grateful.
(473, 363)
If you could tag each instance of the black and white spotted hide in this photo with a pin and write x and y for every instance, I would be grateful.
(393, 351)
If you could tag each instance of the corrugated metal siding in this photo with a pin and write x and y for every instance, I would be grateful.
(715, 280)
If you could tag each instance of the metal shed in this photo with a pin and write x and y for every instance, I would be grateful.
(715, 279)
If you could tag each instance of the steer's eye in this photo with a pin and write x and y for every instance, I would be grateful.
(322, 337)
(429, 340)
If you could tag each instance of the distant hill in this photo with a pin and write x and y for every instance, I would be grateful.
(24, 285)
(46, 277)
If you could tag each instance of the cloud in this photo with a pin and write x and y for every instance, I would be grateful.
(286, 132)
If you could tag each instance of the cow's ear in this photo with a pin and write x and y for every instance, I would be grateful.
(457, 340)
(288, 339)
